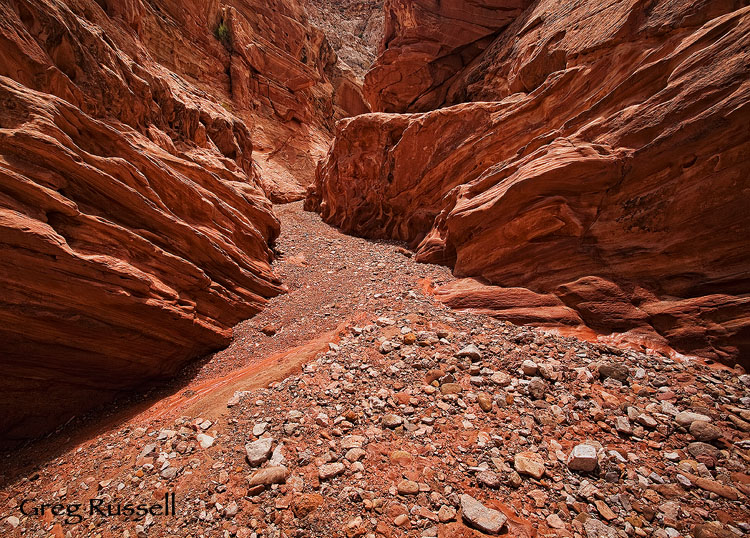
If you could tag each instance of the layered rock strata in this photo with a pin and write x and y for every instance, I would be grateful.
(596, 155)
(135, 224)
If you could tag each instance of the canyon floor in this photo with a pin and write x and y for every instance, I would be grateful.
(357, 405)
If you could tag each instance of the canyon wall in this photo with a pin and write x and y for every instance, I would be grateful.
(135, 223)
(590, 167)
(427, 44)
(354, 29)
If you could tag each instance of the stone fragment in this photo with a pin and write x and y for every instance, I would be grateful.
(529, 463)
(686, 418)
(269, 475)
(596, 529)
(485, 402)
(355, 454)
(258, 451)
(331, 470)
(489, 479)
(614, 370)
(500, 378)
(407, 487)
(712, 529)
(204, 440)
(450, 388)
(582, 458)
(352, 441)
(446, 514)
(537, 388)
(604, 510)
(554, 522)
(392, 421)
(480, 517)
(647, 421)
(622, 425)
(306, 503)
(151, 447)
(704, 431)
(401, 520)
(470, 352)
(260, 428)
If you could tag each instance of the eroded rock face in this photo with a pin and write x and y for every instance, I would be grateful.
(135, 227)
(427, 44)
(280, 75)
(353, 27)
(602, 164)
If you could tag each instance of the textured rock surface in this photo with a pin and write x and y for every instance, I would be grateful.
(280, 75)
(427, 44)
(135, 229)
(353, 27)
(602, 164)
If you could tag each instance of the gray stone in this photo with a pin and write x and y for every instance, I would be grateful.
(583, 458)
(258, 451)
(471, 352)
(480, 517)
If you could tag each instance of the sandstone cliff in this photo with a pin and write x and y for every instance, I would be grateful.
(593, 169)
(135, 224)
(353, 27)
(427, 44)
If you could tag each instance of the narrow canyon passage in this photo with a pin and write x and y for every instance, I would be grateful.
(357, 405)
(332, 278)
(187, 352)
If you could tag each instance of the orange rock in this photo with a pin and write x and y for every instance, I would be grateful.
(134, 223)
(304, 504)
(426, 44)
(612, 196)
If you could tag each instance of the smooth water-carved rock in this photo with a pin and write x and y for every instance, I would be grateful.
(427, 44)
(601, 163)
(135, 227)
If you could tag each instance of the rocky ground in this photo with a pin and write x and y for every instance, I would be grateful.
(405, 418)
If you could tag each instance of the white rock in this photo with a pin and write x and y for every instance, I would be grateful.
(258, 451)
(205, 441)
(480, 517)
(582, 458)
